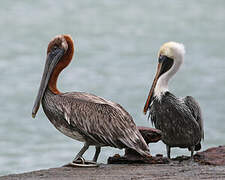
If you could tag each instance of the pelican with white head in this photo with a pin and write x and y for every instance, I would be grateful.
(179, 119)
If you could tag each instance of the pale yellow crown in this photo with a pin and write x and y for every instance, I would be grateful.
(172, 50)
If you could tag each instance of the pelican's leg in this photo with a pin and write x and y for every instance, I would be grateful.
(80, 154)
(192, 152)
(97, 152)
(79, 161)
(168, 151)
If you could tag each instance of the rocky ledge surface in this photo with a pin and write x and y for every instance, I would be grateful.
(209, 164)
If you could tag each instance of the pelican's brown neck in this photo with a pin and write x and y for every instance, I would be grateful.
(67, 57)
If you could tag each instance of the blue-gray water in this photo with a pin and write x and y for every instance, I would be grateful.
(116, 56)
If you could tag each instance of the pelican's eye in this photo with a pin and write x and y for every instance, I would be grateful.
(54, 50)
(161, 58)
(54, 47)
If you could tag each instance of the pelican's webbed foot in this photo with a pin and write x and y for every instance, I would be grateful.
(81, 162)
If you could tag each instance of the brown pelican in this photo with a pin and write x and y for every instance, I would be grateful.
(179, 119)
(83, 116)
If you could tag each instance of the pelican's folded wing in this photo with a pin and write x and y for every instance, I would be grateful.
(196, 112)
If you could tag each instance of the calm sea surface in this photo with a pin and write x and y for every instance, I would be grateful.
(116, 56)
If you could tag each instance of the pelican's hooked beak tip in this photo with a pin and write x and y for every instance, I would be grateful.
(33, 115)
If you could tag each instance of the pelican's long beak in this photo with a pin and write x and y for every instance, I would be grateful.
(52, 59)
(149, 100)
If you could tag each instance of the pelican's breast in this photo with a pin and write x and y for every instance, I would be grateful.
(56, 113)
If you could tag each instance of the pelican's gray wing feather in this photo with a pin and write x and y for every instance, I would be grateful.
(103, 122)
(98, 100)
(196, 112)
